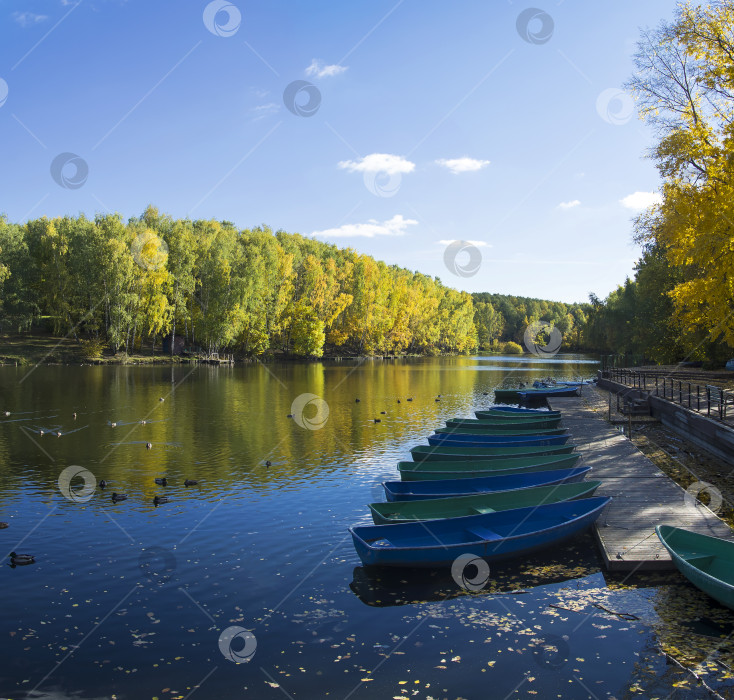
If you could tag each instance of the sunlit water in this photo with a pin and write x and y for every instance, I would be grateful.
(129, 599)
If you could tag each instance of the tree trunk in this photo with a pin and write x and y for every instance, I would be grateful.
(175, 311)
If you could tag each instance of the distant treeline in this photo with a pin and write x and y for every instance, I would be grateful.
(128, 285)
(500, 318)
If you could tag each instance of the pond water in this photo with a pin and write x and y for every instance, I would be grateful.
(254, 563)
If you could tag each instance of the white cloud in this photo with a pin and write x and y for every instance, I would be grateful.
(640, 200)
(262, 111)
(379, 163)
(463, 165)
(393, 227)
(476, 244)
(26, 19)
(318, 69)
(569, 205)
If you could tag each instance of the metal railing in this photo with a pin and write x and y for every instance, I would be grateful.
(695, 397)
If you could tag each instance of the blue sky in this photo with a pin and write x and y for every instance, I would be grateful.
(415, 124)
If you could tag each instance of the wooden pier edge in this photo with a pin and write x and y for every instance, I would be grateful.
(642, 495)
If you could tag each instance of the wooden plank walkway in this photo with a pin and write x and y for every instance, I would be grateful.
(643, 496)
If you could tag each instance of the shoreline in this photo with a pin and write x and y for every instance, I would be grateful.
(34, 348)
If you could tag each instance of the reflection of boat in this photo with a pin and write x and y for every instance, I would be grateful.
(430, 453)
(443, 488)
(491, 536)
(516, 411)
(495, 440)
(707, 562)
(496, 424)
(384, 587)
(455, 469)
(456, 507)
(509, 431)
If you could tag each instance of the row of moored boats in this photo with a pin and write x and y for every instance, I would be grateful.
(499, 485)
(506, 483)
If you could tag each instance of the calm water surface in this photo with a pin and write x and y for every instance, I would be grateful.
(129, 600)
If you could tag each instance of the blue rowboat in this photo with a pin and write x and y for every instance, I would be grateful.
(517, 411)
(491, 536)
(438, 453)
(543, 392)
(496, 440)
(497, 430)
(437, 471)
(448, 488)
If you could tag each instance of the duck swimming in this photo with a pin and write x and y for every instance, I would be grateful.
(103, 484)
(162, 482)
(149, 446)
(21, 559)
(190, 482)
(119, 497)
(160, 499)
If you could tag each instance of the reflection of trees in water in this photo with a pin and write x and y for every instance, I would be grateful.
(696, 631)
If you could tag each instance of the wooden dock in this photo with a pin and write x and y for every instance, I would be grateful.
(643, 496)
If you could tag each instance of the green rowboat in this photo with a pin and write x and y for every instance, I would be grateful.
(516, 413)
(506, 424)
(431, 453)
(435, 508)
(421, 471)
(499, 430)
(707, 562)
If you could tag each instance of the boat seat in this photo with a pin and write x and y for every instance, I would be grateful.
(484, 534)
(482, 511)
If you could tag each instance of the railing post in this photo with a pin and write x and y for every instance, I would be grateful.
(698, 397)
(689, 394)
